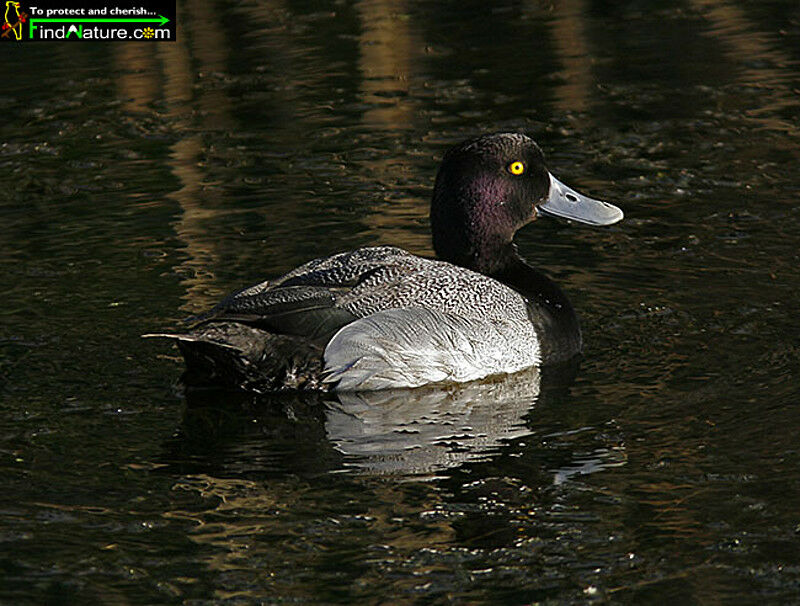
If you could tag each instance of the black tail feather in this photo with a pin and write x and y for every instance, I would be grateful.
(238, 356)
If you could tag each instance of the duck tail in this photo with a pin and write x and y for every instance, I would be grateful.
(238, 356)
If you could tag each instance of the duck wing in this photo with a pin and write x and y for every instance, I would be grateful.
(307, 301)
(302, 311)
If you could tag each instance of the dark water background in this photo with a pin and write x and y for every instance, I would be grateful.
(142, 182)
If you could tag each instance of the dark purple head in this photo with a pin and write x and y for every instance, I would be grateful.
(489, 187)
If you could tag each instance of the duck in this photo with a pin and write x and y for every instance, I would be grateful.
(380, 317)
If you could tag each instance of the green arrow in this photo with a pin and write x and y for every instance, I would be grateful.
(161, 20)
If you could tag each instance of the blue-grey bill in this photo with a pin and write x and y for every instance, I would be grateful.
(566, 203)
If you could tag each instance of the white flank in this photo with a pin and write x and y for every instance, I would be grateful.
(414, 346)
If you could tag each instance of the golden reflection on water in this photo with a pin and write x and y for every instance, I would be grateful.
(139, 88)
(571, 45)
(136, 86)
(250, 523)
(389, 55)
(390, 58)
(207, 55)
(743, 44)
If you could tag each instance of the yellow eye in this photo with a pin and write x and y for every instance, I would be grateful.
(516, 168)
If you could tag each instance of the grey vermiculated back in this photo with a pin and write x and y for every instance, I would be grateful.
(369, 280)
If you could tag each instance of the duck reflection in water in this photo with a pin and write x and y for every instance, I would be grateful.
(418, 432)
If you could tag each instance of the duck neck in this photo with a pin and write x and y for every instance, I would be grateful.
(465, 243)
(548, 307)
(471, 225)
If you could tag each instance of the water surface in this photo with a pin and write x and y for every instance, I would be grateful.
(145, 181)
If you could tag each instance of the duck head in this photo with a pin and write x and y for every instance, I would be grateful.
(489, 187)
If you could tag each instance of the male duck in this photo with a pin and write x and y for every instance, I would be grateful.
(377, 318)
